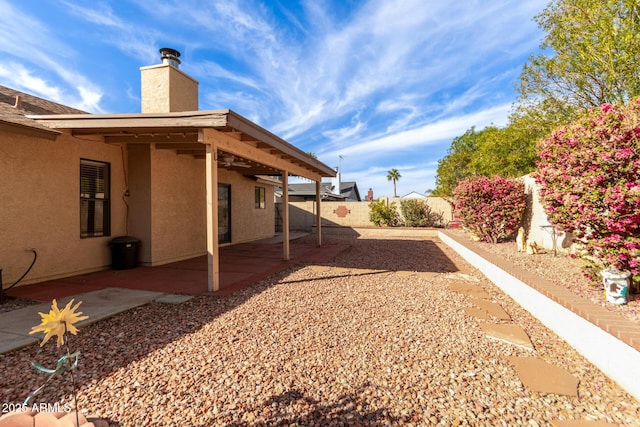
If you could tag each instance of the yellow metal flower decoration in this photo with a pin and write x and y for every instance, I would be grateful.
(58, 322)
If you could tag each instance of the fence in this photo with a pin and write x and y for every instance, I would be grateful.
(349, 214)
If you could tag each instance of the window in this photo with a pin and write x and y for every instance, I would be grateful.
(260, 198)
(95, 207)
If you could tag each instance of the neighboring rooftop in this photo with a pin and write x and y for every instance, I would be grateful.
(348, 191)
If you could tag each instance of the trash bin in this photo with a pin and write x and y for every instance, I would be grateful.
(124, 252)
(616, 285)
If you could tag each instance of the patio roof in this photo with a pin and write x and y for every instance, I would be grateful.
(255, 150)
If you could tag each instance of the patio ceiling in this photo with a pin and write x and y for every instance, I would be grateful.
(255, 150)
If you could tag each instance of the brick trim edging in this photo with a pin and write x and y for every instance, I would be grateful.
(606, 339)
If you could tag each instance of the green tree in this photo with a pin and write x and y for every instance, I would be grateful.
(394, 175)
(593, 50)
(456, 164)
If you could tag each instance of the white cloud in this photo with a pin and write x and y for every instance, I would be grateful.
(428, 133)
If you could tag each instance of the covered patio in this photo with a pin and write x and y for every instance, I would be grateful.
(241, 266)
(220, 138)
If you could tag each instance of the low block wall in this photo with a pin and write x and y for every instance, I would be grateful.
(349, 214)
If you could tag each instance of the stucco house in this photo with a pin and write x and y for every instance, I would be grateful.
(180, 180)
(414, 195)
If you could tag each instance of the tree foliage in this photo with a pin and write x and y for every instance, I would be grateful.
(382, 214)
(593, 50)
(394, 175)
(508, 152)
(588, 172)
(492, 208)
(417, 213)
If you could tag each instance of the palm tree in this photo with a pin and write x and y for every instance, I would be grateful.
(394, 176)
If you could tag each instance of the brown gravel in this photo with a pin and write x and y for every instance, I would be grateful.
(565, 271)
(343, 346)
(11, 303)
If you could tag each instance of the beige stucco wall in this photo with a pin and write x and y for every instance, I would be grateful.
(40, 206)
(349, 214)
(168, 205)
(247, 222)
(178, 205)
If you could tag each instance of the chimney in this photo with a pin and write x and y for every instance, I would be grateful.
(335, 183)
(165, 88)
(370, 195)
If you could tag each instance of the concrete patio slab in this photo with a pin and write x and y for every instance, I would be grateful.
(510, 333)
(10, 341)
(543, 377)
(15, 325)
(471, 290)
(492, 308)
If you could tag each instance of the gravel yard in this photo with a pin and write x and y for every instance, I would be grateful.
(352, 344)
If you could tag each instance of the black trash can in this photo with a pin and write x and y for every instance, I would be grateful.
(124, 252)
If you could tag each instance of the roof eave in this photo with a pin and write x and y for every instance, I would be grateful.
(192, 120)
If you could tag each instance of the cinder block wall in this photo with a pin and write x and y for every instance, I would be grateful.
(348, 214)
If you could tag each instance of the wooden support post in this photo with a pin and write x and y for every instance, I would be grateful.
(285, 215)
(213, 250)
(318, 215)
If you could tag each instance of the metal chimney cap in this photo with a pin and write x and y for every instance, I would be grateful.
(170, 56)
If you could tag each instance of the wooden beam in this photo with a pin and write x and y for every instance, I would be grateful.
(161, 138)
(230, 145)
(178, 146)
(103, 122)
(190, 152)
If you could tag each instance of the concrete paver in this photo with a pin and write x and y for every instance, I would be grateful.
(492, 308)
(471, 290)
(543, 377)
(513, 334)
(15, 325)
(477, 313)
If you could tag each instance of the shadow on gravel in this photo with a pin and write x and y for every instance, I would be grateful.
(396, 255)
(346, 409)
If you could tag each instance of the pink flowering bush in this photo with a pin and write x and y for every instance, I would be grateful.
(588, 173)
(492, 208)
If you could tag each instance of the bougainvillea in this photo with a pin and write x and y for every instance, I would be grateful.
(491, 208)
(588, 173)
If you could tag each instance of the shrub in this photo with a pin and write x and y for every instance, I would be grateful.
(381, 214)
(588, 174)
(491, 208)
(417, 213)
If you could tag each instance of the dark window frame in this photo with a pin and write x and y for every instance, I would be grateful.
(260, 198)
(95, 198)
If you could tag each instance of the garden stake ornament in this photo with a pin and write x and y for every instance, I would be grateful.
(58, 323)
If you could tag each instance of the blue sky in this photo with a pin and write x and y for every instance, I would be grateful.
(366, 85)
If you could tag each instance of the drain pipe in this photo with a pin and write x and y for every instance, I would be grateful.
(2, 290)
